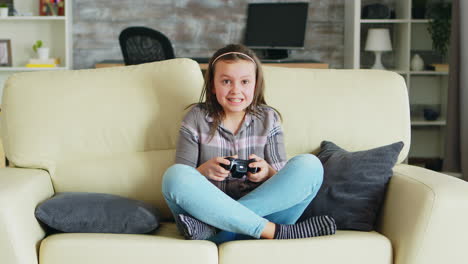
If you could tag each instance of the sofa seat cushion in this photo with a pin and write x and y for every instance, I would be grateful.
(165, 245)
(350, 247)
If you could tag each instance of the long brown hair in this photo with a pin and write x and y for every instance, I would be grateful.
(208, 99)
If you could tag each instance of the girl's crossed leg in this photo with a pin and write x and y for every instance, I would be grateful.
(281, 199)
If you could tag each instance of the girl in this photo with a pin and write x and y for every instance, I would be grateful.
(233, 119)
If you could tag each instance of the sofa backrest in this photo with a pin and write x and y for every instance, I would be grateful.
(114, 130)
(356, 109)
(110, 130)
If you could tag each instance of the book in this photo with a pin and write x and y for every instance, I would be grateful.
(42, 7)
(48, 61)
(51, 7)
(61, 7)
(438, 67)
(29, 65)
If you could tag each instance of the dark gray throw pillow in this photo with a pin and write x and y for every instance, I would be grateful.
(354, 185)
(80, 212)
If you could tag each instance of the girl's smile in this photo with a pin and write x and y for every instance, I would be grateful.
(234, 85)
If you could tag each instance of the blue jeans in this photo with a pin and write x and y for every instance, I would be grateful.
(281, 199)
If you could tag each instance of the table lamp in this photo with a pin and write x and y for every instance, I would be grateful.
(378, 41)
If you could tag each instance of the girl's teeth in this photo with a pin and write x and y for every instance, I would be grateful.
(235, 100)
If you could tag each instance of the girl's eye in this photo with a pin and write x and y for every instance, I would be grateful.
(226, 81)
(245, 81)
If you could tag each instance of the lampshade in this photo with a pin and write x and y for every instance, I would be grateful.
(378, 39)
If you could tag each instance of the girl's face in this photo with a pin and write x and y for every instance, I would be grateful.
(234, 85)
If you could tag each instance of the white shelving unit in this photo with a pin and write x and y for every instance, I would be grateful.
(409, 36)
(24, 31)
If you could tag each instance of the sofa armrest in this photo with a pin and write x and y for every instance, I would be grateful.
(21, 190)
(424, 215)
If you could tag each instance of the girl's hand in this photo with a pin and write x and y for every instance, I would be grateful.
(265, 170)
(213, 171)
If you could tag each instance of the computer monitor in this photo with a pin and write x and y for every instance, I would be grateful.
(276, 28)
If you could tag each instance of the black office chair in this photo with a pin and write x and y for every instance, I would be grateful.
(141, 45)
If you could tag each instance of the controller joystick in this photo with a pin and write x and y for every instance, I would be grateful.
(239, 167)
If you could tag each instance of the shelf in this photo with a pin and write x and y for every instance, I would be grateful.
(384, 21)
(24, 30)
(422, 21)
(399, 71)
(394, 21)
(16, 18)
(454, 174)
(427, 73)
(416, 73)
(409, 36)
(423, 122)
(15, 69)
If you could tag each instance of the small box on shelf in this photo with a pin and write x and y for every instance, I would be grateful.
(43, 63)
(439, 67)
(418, 110)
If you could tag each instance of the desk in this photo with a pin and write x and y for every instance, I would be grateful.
(204, 66)
(109, 63)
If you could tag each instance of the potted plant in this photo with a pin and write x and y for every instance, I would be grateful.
(3, 10)
(440, 15)
(43, 53)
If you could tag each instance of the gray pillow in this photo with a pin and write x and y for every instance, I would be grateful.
(354, 185)
(79, 212)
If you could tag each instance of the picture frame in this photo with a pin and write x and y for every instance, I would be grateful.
(5, 53)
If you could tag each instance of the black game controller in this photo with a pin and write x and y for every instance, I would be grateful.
(239, 167)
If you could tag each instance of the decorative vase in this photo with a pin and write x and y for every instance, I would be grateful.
(417, 63)
(43, 53)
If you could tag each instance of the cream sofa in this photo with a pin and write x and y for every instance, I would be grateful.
(114, 130)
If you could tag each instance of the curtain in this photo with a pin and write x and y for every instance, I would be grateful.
(456, 147)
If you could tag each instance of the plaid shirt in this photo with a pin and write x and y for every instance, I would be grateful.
(260, 135)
